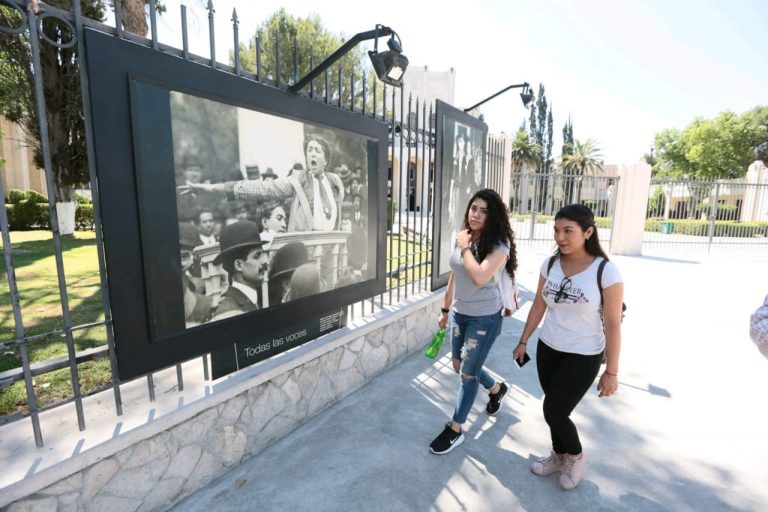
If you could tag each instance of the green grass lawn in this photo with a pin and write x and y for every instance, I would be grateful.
(40, 303)
(41, 311)
(404, 253)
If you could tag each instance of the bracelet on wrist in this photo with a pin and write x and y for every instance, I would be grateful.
(464, 249)
(521, 343)
(445, 310)
(611, 374)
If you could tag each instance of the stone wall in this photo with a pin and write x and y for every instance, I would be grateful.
(159, 470)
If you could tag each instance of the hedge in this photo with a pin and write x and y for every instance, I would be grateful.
(723, 228)
(26, 215)
(602, 222)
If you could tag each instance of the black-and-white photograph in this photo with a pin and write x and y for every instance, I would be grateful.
(270, 209)
(463, 153)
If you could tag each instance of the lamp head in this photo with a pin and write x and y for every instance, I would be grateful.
(527, 97)
(390, 65)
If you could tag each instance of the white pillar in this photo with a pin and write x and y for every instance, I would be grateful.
(631, 207)
(755, 197)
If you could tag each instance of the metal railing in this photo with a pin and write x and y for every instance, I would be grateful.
(706, 217)
(536, 198)
(410, 208)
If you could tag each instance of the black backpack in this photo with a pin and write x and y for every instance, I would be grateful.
(599, 283)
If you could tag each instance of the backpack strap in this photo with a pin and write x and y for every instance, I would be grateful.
(600, 268)
(552, 262)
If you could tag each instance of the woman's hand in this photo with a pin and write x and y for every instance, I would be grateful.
(519, 351)
(608, 384)
(442, 320)
(463, 237)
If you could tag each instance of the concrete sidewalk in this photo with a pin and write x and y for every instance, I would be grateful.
(688, 429)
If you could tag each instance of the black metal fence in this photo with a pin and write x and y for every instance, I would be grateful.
(50, 327)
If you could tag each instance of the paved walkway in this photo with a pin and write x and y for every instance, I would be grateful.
(688, 429)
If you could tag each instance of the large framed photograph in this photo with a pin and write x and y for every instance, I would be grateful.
(231, 210)
(460, 160)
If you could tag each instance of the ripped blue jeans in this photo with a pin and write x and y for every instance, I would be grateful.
(471, 340)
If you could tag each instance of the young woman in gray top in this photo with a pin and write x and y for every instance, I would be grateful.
(484, 246)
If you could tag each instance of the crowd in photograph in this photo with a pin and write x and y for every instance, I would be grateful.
(244, 221)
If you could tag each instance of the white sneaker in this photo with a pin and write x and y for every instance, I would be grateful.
(573, 469)
(549, 465)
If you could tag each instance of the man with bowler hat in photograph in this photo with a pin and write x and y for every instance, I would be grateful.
(286, 260)
(243, 257)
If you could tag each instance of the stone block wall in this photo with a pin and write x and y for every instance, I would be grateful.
(156, 472)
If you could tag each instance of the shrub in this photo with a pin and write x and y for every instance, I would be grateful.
(16, 196)
(601, 222)
(81, 198)
(36, 197)
(84, 217)
(27, 215)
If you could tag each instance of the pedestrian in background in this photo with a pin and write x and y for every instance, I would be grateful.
(758, 327)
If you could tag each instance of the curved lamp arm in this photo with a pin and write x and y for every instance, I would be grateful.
(379, 31)
(527, 95)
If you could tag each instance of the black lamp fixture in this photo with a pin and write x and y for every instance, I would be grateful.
(526, 96)
(389, 65)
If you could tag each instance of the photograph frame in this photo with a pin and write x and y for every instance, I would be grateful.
(138, 210)
(447, 118)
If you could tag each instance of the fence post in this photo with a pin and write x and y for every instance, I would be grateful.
(534, 205)
(713, 217)
(631, 207)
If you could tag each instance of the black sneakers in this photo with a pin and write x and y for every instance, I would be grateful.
(494, 399)
(446, 441)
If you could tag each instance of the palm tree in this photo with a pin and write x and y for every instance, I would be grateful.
(584, 159)
(525, 154)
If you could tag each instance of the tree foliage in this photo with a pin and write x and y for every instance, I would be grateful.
(717, 148)
(540, 122)
(526, 153)
(567, 139)
(59, 70)
(583, 158)
(313, 43)
(60, 76)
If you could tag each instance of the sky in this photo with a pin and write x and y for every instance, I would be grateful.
(623, 70)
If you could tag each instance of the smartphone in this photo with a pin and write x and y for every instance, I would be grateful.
(526, 358)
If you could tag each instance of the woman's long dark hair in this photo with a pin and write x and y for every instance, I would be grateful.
(584, 217)
(496, 230)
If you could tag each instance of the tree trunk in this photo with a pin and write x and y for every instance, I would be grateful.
(134, 19)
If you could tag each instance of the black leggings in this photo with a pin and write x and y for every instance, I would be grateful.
(565, 379)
